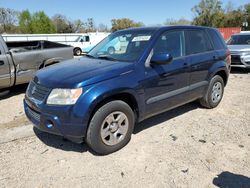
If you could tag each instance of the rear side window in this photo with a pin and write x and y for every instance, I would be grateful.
(217, 39)
(198, 42)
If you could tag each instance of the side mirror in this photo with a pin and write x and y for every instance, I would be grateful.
(81, 40)
(161, 59)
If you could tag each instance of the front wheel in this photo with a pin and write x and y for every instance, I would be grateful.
(214, 93)
(111, 127)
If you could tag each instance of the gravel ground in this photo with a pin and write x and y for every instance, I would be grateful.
(186, 147)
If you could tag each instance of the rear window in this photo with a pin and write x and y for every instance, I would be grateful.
(239, 40)
(217, 39)
(198, 42)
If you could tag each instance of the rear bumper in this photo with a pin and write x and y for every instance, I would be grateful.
(50, 123)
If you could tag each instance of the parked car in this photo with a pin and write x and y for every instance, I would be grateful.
(20, 60)
(102, 97)
(82, 42)
(239, 45)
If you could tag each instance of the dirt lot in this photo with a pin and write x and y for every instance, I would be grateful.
(186, 147)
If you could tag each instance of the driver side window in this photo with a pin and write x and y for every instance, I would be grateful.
(171, 43)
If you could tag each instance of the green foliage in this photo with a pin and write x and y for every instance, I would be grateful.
(25, 22)
(41, 23)
(247, 15)
(234, 18)
(208, 13)
(38, 22)
(124, 23)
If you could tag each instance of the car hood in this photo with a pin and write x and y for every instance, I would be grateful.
(239, 48)
(81, 72)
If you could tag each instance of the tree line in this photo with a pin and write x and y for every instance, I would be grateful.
(206, 13)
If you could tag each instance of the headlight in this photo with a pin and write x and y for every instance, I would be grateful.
(64, 96)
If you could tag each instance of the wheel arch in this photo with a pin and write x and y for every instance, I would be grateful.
(125, 96)
(223, 75)
(220, 69)
(50, 61)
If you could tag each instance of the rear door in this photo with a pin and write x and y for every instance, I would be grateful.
(4, 70)
(202, 56)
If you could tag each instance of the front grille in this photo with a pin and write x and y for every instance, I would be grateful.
(33, 114)
(236, 60)
(37, 92)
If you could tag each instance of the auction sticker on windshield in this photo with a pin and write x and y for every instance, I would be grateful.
(141, 38)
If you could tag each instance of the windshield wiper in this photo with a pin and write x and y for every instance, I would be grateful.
(107, 58)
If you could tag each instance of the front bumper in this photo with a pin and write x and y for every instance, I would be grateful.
(54, 124)
(240, 60)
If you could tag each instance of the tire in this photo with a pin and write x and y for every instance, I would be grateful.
(4, 93)
(111, 50)
(105, 133)
(214, 93)
(77, 51)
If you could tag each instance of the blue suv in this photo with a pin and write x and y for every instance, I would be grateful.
(100, 97)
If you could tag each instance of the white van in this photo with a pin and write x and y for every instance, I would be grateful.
(82, 42)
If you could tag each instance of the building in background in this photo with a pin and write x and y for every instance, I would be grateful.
(227, 32)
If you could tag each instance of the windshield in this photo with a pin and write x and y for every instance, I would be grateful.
(125, 45)
(239, 40)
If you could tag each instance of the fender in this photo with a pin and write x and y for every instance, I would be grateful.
(217, 67)
(95, 94)
(51, 61)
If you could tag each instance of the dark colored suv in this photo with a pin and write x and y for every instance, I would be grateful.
(99, 98)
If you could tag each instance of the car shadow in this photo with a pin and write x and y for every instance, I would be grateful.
(59, 142)
(230, 180)
(148, 123)
(16, 90)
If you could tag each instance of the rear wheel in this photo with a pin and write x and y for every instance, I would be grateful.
(77, 51)
(111, 127)
(214, 93)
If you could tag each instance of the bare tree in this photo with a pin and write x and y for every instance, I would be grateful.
(8, 19)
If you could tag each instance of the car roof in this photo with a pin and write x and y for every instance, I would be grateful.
(166, 28)
(245, 33)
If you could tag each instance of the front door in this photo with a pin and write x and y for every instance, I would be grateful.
(166, 85)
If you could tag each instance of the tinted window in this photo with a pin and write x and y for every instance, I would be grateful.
(217, 39)
(239, 40)
(172, 43)
(198, 42)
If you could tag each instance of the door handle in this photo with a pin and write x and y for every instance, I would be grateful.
(185, 65)
(1, 63)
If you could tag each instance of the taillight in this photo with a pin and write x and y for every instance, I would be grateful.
(228, 59)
